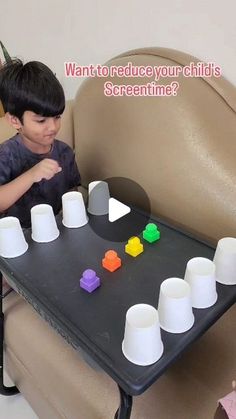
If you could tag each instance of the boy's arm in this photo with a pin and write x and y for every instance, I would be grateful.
(12, 191)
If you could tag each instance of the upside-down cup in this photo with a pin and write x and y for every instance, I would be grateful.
(174, 306)
(200, 275)
(43, 223)
(73, 208)
(225, 261)
(98, 198)
(12, 239)
(142, 344)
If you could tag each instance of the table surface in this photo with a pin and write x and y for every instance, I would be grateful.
(48, 274)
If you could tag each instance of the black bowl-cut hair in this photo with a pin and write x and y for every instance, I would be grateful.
(30, 87)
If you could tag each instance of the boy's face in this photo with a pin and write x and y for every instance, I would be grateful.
(38, 132)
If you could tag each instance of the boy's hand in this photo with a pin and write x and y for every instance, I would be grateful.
(46, 169)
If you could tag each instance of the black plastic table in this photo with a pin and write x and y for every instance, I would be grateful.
(48, 275)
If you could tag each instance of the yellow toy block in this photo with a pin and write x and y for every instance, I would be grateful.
(134, 247)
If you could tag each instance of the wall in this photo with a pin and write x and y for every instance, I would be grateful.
(55, 31)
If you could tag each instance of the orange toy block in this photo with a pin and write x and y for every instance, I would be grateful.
(111, 261)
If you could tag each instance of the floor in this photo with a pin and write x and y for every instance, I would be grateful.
(15, 407)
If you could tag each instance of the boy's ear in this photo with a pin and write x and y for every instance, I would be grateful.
(13, 121)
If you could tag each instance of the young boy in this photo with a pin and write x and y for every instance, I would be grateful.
(35, 168)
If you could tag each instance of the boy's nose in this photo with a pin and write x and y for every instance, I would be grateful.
(52, 125)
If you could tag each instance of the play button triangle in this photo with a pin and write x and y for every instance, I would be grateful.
(117, 210)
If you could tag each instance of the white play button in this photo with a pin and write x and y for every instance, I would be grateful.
(117, 210)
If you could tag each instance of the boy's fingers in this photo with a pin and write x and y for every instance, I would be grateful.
(53, 171)
(54, 166)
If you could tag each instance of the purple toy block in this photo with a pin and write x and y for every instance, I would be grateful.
(89, 281)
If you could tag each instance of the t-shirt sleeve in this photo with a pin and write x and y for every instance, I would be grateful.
(5, 166)
(73, 172)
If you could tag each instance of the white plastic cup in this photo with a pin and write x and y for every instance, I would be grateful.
(175, 306)
(142, 344)
(44, 226)
(225, 261)
(98, 198)
(73, 208)
(200, 275)
(12, 239)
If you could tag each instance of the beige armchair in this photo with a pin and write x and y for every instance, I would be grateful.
(181, 150)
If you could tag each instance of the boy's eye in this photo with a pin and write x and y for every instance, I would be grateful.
(42, 120)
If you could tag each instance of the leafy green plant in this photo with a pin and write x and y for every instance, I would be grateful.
(6, 54)
(7, 58)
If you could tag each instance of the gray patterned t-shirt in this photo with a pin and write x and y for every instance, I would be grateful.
(16, 159)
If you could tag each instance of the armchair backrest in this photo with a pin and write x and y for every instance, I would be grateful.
(180, 149)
